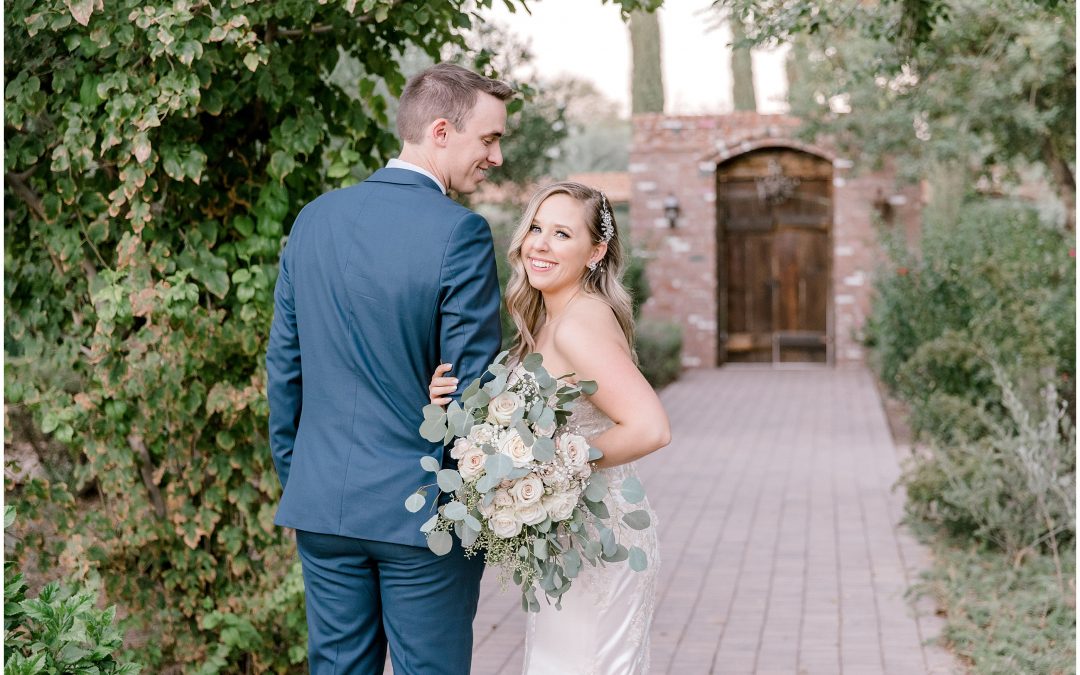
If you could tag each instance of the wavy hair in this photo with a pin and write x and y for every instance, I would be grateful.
(525, 304)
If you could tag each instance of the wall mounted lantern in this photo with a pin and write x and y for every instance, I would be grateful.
(671, 210)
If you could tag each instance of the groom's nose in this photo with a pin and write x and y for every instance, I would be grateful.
(495, 157)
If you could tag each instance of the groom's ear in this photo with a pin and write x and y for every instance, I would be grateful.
(439, 131)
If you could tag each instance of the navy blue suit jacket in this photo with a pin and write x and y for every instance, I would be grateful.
(378, 284)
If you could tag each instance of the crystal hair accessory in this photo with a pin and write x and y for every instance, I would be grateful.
(607, 225)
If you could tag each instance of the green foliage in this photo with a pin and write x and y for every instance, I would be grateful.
(1005, 617)
(636, 282)
(156, 153)
(60, 631)
(742, 69)
(993, 285)
(990, 84)
(659, 351)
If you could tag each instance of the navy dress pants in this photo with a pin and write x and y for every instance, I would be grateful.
(363, 594)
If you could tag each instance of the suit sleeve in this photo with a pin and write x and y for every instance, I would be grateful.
(284, 385)
(470, 334)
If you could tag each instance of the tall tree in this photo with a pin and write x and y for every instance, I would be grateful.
(987, 84)
(742, 68)
(647, 86)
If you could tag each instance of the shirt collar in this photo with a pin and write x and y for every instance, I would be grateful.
(396, 163)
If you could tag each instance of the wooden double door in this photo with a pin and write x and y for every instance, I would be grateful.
(774, 211)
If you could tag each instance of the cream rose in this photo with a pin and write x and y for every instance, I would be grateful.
(575, 449)
(486, 510)
(505, 523)
(503, 499)
(533, 514)
(471, 464)
(527, 490)
(514, 447)
(560, 506)
(502, 408)
(481, 434)
(546, 432)
(461, 445)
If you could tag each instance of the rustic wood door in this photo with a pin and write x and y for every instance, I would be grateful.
(774, 211)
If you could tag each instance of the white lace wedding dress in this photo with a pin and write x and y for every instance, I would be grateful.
(603, 626)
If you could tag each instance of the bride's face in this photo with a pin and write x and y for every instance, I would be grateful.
(558, 246)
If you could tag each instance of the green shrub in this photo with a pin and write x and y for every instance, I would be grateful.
(1013, 488)
(59, 631)
(659, 350)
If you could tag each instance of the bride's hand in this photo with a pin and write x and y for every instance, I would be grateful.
(440, 386)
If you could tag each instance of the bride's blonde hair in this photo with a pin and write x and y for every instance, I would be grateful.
(525, 304)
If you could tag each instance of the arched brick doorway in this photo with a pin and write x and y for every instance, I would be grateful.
(774, 209)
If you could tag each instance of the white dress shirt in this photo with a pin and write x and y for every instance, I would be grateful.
(400, 164)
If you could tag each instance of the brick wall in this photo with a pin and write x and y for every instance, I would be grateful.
(677, 156)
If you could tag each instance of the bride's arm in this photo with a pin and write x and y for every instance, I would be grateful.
(595, 348)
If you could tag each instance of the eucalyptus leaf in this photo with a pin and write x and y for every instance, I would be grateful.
(620, 554)
(543, 449)
(455, 510)
(433, 430)
(571, 563)
(486, 483)
(532, 361)
(449, 480)
(523, 431)
(639, 520)
(440, 542)
(607, 540)
(540, 548)
(469, 537)
(414, 502)
(594, 454)
(470, 391)
(638, 560)
(535, 411)
(496, 386)
(429, 463)
(632, 490)
(597, 488)
(472, 523)
(430, 524)
(588, 387)
(498, 466)
(519, 472)
(478, 400)
(433, 411)
(598, 509)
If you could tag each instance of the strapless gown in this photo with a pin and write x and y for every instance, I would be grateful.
(603, 626)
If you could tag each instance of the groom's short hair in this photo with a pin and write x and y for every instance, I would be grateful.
(443, 90)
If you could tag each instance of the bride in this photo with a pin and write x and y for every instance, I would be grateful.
(568, 304)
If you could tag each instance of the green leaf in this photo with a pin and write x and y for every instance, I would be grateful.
(540, 548)
(532, 362)
(415, 502)
(597, 488)
(543, 449)
(595, 454)
(433, 411)
(598, 509)
(430, 524)
(472, 523)
(449, 480)
(440, 542)
(433, 430)
(523, 431)
(9, 515)
(588, 387)
(620, 554)
(632, 490)
(429, 463)
(639, 520)
(455, 510)
(638, 560)
(498, 465)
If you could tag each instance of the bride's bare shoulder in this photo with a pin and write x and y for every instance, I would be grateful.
(589, 321)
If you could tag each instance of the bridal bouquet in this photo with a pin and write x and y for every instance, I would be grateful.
(524, 491)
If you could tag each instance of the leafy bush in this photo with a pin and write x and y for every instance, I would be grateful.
(60, 631)
(1012, 488)
(659, 350)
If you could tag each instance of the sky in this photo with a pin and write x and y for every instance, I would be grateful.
(588, 39)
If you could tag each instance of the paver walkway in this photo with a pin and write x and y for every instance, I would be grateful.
(779, 535)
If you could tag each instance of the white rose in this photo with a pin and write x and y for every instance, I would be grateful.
(502, 408)
(460, 447)
(560, 505)
(481, 434)
(514, 447)
(575, 449)
(486, 510)
(533, 514)
(471, 464)
(503, 499)
(584, 471)
(527, 490)
(505, 523)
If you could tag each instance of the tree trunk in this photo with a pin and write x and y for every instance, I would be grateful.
(647, 87)
(742, 69)
(1064, 180)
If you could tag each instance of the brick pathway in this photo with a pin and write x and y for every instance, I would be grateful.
(779, 535)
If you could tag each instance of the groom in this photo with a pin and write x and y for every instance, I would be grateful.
(379, 283)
